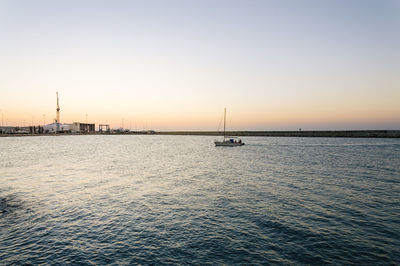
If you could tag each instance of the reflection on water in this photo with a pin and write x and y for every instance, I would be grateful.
(9, 204)
(179, 199)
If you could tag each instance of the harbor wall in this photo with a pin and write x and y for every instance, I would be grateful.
(333, 133)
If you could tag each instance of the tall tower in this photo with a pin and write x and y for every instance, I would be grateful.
(58, 110)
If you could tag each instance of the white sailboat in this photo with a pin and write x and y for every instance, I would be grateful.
(230, 142)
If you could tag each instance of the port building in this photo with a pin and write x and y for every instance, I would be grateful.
(56, 127)
(78, 127)
(75, 127)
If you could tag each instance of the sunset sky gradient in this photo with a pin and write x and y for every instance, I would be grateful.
(174, 65)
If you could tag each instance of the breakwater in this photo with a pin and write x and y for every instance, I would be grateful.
(332, 133)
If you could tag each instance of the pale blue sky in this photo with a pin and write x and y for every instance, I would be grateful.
(176, 64)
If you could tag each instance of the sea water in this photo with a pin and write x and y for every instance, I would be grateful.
(131, 199)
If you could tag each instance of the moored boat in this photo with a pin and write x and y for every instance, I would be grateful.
(230, 142)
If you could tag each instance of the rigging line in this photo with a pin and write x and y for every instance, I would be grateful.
(220, 121)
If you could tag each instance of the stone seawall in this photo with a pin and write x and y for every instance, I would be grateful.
(335, 134)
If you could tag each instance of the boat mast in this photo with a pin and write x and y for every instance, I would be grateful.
(57, 115)
(224, 121)
(58, 110)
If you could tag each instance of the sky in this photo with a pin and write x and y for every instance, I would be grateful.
(175, 65)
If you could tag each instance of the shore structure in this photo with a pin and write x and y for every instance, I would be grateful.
(56, 127)
(75, 127)
(37, 131)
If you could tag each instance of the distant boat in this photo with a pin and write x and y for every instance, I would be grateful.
(230, 142)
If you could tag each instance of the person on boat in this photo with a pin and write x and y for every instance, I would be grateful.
(240, 141)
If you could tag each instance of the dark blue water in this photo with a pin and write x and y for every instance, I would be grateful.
(180, 200)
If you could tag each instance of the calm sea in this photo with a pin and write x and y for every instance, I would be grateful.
(180, 200)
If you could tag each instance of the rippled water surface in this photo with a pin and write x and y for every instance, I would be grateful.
(180, 200)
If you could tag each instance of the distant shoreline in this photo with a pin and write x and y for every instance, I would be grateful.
(313, 133)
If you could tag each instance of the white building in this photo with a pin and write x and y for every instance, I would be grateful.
(56, 127)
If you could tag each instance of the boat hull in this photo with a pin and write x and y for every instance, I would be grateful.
(228, 143)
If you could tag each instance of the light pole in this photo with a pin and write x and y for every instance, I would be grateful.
(87, 126)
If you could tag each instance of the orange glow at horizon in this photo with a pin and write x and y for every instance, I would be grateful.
(271, 119)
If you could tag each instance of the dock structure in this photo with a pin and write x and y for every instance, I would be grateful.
(106, 126)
